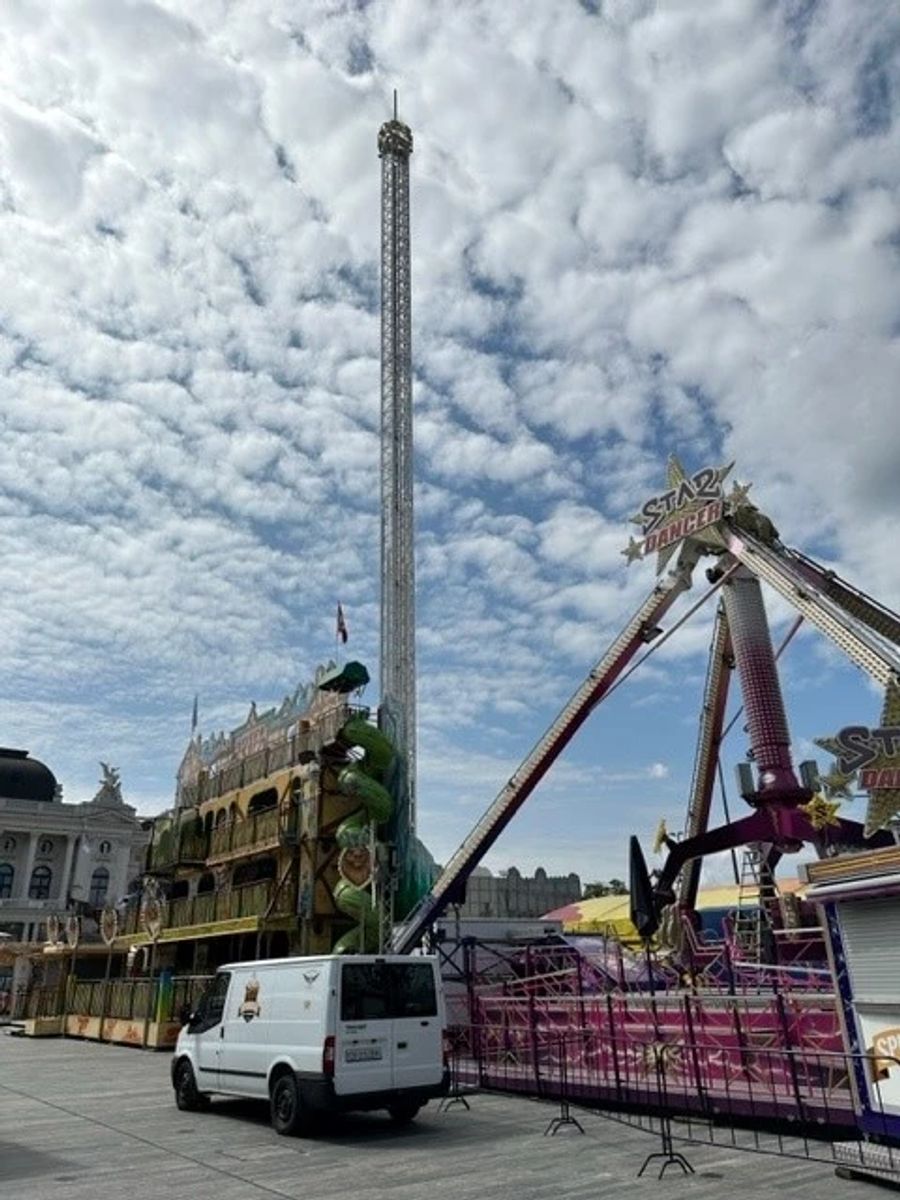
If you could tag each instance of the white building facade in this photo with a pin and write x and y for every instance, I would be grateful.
(56, 857)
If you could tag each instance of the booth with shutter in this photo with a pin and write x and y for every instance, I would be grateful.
(859, 897)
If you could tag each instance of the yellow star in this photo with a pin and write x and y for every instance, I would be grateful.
(633, 551)
(821, 812)
(662, 836)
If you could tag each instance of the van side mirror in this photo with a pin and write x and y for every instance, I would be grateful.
(186, 1015)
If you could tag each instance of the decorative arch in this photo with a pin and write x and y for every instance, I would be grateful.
(39, 887)
(263, 801)
(99, 887)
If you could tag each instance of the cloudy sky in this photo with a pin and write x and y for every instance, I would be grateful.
(638, 227)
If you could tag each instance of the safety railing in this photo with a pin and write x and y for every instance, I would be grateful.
(250, 833)
(143, 999)
(207, 908)
(173, 848)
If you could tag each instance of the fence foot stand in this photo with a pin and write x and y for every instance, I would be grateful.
(448, 1101)
(670, 1157)
(668, 1154)
(565, 1118)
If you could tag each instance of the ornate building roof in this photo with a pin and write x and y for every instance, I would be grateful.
(24, 778)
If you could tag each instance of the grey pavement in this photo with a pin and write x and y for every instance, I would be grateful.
(80, 1121)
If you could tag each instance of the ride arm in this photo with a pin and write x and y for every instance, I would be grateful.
(640, 630)
(784, 573)
(715, 697)
(851, 599)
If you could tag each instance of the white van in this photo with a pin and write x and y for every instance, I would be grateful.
(334, 1033)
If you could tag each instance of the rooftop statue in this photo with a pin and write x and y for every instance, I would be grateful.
(110, 791)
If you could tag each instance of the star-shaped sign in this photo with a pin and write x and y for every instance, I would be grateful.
(666, 514)
(872, 758)
(830, 745)
(884, 803)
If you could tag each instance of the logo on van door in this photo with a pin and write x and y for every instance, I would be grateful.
(250, 1007)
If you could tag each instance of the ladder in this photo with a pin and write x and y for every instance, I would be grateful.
(757, 892)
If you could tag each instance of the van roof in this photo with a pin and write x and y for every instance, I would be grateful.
(300, 960)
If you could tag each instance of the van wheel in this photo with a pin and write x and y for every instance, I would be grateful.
(187, 1097)
(285, 1105)
(404, 1112)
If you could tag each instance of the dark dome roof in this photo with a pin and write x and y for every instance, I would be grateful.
(24, 778)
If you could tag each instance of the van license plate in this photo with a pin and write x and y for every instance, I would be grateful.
(362, 1053)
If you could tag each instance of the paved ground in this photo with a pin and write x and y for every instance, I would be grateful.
(86, 1122)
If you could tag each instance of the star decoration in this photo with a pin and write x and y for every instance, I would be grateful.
(633, 551)
(885, 802)
(738, 496)
(662, 836)
(829, 745)
(836, 783)
(821, 812)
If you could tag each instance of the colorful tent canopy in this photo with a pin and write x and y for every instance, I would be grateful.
(612, 913)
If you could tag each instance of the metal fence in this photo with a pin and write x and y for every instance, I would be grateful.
(800, 1103)
(141, 998)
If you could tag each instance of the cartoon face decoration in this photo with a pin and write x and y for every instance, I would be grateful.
(355, 865)
(250, 1007)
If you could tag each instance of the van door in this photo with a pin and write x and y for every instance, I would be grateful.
(418, 1035)
(207, 1032)
(243, 1050)
(363, 1041)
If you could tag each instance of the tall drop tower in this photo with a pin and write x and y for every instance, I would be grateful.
(398, 647)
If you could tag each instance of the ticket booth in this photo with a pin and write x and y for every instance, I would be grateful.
(859, 898)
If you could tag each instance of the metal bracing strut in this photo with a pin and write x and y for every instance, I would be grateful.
(715, 698)
(640, 630)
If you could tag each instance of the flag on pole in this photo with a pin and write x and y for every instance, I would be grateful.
(341, 625)
(194, 715)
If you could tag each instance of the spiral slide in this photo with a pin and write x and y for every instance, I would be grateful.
(362, 781)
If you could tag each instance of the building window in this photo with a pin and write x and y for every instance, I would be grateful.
(45, 846)
(6, 881)
(39, 889)
(9, 845)
(105, 847)
(99, 887)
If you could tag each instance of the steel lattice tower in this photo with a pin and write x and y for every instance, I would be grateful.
(398, 648)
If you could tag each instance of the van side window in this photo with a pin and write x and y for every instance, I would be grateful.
(212, 1004)
(364, 992)
(413, 990)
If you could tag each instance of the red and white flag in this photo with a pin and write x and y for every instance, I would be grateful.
(341, 625)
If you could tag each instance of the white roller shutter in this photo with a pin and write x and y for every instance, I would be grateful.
(869, 929)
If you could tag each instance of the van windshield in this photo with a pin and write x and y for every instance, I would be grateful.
(379, 991)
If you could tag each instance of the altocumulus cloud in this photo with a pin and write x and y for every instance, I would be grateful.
(637, 227)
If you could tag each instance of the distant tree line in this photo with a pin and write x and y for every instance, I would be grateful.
(615, 887)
